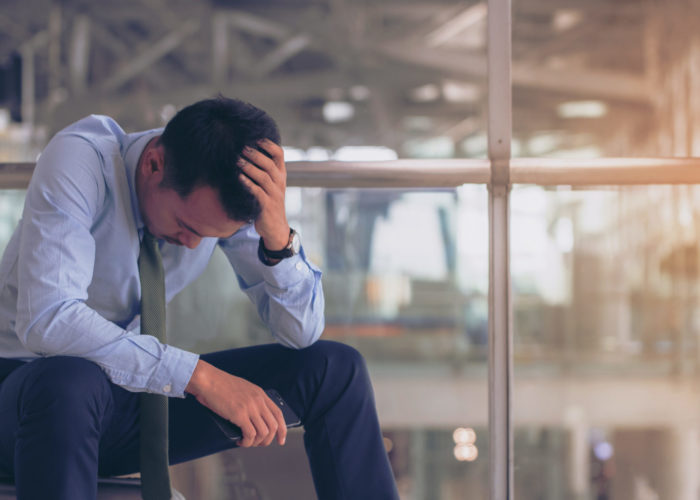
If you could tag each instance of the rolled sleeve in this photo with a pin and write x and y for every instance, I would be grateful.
(289, 272)
(173, 373)
(288, 296)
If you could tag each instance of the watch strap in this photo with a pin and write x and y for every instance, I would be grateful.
(265, 254)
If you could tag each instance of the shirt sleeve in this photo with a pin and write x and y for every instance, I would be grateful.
(55, 269)
(288, 296)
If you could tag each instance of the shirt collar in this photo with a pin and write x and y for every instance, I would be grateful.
(134, 145)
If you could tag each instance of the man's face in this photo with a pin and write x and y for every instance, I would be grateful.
(186, 221)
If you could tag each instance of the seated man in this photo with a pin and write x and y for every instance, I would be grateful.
(115, 225)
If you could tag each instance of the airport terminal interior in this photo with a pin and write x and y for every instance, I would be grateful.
(605, 304)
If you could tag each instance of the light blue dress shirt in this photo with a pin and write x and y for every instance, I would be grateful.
(69, 280)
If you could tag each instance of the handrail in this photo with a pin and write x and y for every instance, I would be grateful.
(455, 172)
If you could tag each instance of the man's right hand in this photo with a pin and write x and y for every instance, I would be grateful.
(243, 403)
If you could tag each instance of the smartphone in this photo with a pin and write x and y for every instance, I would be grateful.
(233, 432)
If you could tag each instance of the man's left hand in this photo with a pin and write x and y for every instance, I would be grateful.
(267, 180)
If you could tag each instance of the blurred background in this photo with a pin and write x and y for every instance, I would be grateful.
(605, 281)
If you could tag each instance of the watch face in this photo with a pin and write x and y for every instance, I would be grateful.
(296, 243)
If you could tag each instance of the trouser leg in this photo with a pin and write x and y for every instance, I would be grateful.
(327, 385)
(52, 414)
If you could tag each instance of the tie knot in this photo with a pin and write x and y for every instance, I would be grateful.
(148, 239)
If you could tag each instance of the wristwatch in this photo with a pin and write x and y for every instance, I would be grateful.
(292, 248)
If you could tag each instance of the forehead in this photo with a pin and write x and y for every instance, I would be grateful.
(203, 212)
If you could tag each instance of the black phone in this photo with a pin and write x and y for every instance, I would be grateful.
(233, 432)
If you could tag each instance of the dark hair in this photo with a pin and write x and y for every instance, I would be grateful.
(203, 143)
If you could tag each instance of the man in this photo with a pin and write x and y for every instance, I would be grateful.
(73, 359)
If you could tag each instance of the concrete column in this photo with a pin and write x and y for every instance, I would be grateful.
(684, 466)
(579, 460)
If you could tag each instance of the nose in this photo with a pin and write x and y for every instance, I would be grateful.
(190, 240)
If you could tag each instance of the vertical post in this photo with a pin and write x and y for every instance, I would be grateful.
(28, 97)
(500, 327)
(55, 67)
(220, 49)
(79, 55)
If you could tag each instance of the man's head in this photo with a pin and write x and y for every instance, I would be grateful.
(189, 183)
(202, 145)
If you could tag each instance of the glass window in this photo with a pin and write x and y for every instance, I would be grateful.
(405, 281)
(591, 79)
(605, 341)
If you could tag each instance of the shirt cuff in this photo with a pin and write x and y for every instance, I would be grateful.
(173, 373)
(288, 272)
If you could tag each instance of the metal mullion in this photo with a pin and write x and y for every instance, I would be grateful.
(500, 330)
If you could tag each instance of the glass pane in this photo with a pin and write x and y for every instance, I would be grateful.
(606, 342)
(407, 78)
(605, 78)
(406, 282)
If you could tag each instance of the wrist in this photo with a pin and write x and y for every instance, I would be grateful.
(271, 257)
(276, 242)
(200, 378)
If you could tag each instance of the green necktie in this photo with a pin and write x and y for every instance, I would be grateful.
(155, 477)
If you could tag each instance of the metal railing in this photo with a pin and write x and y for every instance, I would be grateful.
(455, 172)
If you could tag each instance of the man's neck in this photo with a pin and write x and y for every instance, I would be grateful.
(139, 177)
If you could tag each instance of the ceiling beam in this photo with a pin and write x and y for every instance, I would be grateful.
(582, 82)
(149, 56)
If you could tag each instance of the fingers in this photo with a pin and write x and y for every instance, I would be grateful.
(248, 431)
(281, 425)
(274, 150)
(264, 423)
(261, 429)
(269, 157)
(259, 176)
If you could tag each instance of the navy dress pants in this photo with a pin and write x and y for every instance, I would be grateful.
(63, 423)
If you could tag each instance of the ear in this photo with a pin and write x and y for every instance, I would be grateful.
(154, 162)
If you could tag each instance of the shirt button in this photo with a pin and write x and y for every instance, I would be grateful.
(168, 388)
(300, 266)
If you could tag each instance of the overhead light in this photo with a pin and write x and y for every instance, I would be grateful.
(464, 435)
(338, 111)
(460, 91)
(434, 147)
(476, 145)
(583, 153)
(543, 143)
(425, 93)
(167, 112)
(516, 147)
(317, 154)
(466, 452)
(565, 19)
(418, 123)
(293, 154)
(365, 153)
(582, 109)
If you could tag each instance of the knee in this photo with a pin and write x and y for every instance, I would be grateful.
(339, 363)
(65, 384)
